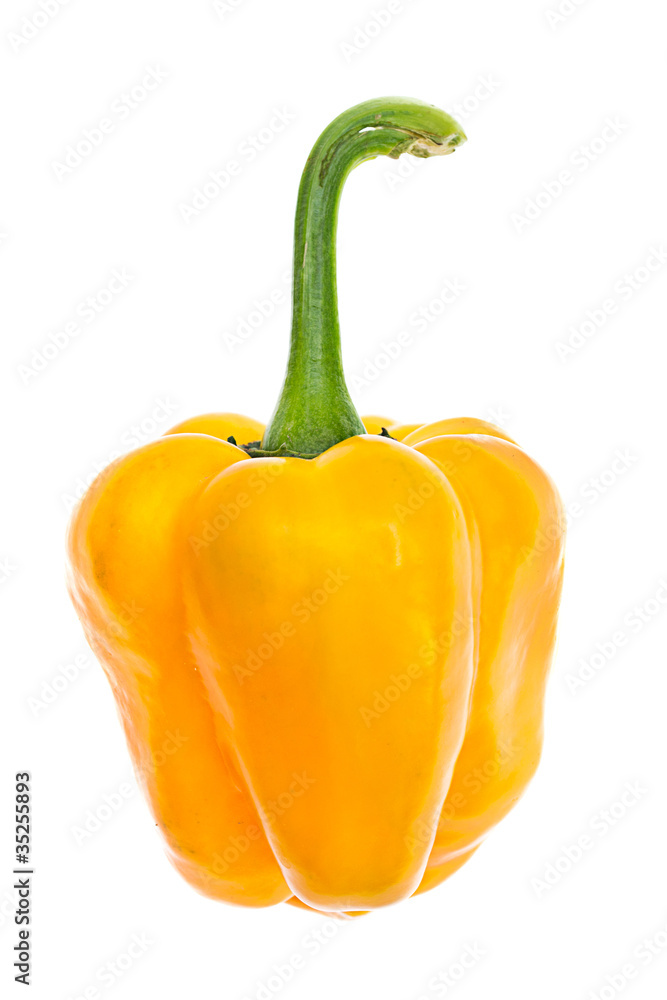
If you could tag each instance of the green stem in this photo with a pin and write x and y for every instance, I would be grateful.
(314, 410)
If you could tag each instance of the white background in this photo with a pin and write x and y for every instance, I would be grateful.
(535, 94)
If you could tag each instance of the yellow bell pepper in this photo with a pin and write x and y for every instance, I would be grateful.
(328, 639)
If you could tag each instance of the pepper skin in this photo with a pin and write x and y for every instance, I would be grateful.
(328, 639)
